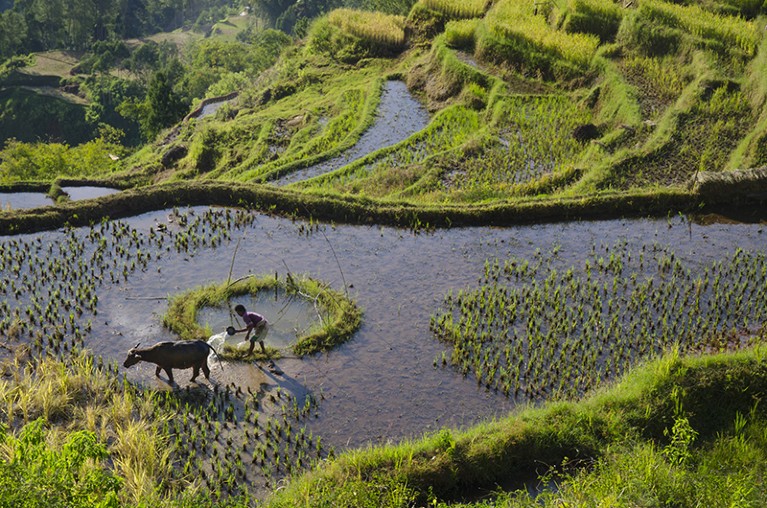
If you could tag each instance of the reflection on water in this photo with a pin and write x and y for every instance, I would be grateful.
(382, 385)
(23, 200)
(399, 115)
(211, 107)
(289, 317)
(88, 192)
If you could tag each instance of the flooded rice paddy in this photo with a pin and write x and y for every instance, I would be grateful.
(24, 200)
(88, 192)
(388, 382)
(212, 107)
(399, 115)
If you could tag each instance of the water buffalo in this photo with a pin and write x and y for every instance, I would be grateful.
(168, 355)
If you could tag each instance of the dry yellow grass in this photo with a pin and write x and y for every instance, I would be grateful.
(52, 63)
(512, 18)
(458, 9)
(375, 27)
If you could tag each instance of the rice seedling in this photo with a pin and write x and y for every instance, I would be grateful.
(447, 131)
(659, 81)
(533, 329)
(706, 132)
(535, 141)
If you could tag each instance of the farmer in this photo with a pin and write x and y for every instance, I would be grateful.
(254, 322)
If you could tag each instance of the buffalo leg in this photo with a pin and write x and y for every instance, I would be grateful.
(157, 371)
(195, 371)
(206, 370)
(170, 374)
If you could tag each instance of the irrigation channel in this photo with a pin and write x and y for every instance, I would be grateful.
(399, 115)
(386, 383)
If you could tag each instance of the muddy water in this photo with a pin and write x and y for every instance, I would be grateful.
(399, 116)
(382, 385)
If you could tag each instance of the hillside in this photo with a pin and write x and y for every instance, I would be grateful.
(526, 100)
(307, 174)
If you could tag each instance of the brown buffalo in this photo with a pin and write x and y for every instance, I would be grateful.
(168, 355)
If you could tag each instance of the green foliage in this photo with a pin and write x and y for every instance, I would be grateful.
(30, 116)
(598, 17)
(162, 106)
(13, 31)
(21, 161)
(79, 24)
(104, 56)
(460, 34)
(591, 446)
(106, 93)
(33, 474)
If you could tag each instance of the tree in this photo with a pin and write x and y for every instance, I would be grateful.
(13, 33)
(165, 106)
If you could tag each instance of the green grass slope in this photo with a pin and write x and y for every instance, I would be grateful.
(674, 432)
(571, 98)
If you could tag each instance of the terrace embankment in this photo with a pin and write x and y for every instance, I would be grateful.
(365, 211)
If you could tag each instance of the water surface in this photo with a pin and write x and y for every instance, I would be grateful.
(382, 385)
(23, 200)
(88, 192)
(399, 115)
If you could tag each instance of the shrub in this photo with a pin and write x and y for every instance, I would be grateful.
(73, 476)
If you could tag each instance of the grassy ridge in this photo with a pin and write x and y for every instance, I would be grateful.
(646, 410)
(339, 317)
(349, 210)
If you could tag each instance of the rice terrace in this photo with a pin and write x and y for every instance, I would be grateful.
(502, 253)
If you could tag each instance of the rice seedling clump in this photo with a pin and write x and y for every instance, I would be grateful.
(535, 328)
